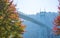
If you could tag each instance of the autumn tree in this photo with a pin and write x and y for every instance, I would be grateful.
(10, 24)
(56, 27)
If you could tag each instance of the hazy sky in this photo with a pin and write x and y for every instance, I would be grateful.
(34, 6)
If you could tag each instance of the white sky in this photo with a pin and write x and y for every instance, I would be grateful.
(34, 6)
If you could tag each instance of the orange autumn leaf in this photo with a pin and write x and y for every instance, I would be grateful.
(22, 26)
(1, 17)
(12, 5)
(6, 0)
(11, 8)
(14, 16)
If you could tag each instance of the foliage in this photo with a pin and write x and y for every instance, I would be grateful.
(10, 24)
(57, 25)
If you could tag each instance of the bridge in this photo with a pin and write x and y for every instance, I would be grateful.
(48, 33)
(33, 20)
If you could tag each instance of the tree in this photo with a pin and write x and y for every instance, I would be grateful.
(57, 25)
(10, 24)
(56, 28)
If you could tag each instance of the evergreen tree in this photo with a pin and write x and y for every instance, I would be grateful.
(10, 24)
